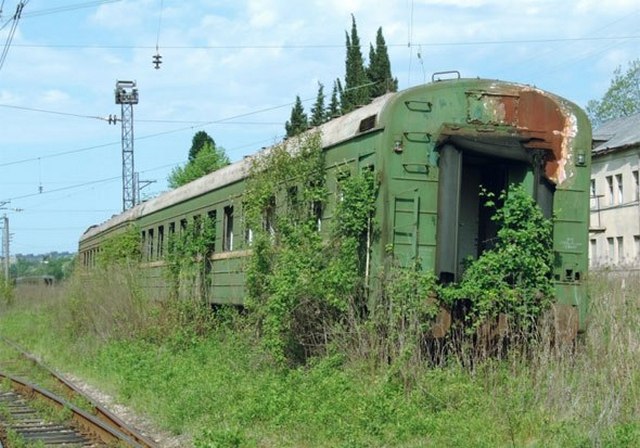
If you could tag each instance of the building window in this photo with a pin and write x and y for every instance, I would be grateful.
(227, 244)
(612, 250)
(619, 189)
(620, 244)
(636, 243)
(636, 186)
(610, 190)
(593, 256)
(592, 193)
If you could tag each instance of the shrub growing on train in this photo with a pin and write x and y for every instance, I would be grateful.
(515, 276)
(284, 282)
(121, 249)
(187, 258)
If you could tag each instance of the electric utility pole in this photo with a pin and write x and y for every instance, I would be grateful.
(5, 246)
(126, 95)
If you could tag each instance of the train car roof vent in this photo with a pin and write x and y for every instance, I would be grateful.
(367, 123)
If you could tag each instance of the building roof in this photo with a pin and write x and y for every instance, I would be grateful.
(619, 133)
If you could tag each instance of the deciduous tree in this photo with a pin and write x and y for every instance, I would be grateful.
(621, 99)
(208, 159)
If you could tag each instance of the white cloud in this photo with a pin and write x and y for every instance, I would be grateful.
(53, 97)
(262, 13)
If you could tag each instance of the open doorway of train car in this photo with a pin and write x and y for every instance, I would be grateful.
(465, 228)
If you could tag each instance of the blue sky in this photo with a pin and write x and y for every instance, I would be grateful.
(233, 68)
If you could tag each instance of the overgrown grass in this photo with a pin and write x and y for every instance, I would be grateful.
(212, 379)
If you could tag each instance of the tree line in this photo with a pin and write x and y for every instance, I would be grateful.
(362, 83)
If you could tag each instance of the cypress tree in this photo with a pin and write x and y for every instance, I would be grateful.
(355, 93)
(379, 70)
(333, 110)
(318, 115)
(298, 122)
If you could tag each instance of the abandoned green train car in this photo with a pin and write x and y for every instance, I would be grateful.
(432, 148)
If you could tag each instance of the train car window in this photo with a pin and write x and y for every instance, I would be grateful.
(144, 244)
(316, 207)
(269, 220)
(292, 197)
(212, 215)
(160, 241)
(197, 224)
(227, 244)
(367, 123)
(340, 178)
(150, 251)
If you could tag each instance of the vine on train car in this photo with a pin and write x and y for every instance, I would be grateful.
(187, 258)
(286, 265)
(308, 285)
(122, 248)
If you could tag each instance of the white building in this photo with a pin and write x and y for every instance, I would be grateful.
(615, 195)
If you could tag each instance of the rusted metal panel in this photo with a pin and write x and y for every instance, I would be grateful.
(540, 120)
(566, 323)
(441, 324)
(491, 109)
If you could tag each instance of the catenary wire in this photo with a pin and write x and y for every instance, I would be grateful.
(227, 120)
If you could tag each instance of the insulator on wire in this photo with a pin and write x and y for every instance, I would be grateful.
(157, 60)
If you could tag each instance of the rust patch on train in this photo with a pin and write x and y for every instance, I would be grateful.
(541, 122)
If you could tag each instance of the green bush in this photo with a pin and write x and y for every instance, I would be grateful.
(514, 277)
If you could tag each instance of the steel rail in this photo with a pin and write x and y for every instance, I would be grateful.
(80, 419)
(72, 391)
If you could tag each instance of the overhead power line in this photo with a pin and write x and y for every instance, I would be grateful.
(97, 117)
(67, 8)
(227, 120)
(12, 31)
(340, 46)
(70, 187)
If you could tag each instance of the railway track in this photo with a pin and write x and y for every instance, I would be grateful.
(22, 403)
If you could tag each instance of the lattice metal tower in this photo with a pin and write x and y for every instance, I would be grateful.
(127, 95)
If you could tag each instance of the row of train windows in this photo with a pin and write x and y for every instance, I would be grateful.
(153, 239)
